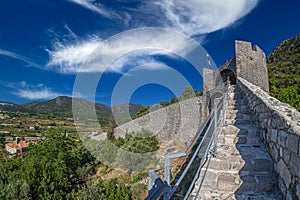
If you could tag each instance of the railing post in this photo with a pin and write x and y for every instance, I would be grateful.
(167, 169)
(215, 131)
(158, 188)
(151, 179)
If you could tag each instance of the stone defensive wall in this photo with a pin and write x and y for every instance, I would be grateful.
(279, 131)
(179, 121)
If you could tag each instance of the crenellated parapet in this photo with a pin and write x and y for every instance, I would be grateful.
(251, 64)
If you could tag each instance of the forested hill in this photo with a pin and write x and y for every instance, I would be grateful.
(284, 72)
(62, 107)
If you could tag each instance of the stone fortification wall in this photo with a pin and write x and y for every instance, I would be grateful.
(178, 121)
(279, 129)
(251, 64)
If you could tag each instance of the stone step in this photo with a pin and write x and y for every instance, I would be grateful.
(267, 196)
(237, 121)
(242, 168)
(260, 185)
(237, 105)
(233, 165)
(235, 97)
(236, 101)
(238, 116)
(231, 152)
(233, 140)
(253, 184)
(245, 159)
(212, 195)
(240, 108)
(237, 112)
(239, 131)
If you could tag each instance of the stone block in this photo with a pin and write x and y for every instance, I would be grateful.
(281, 186)
(265, 123)
(274, 122)
(266, 183)
(227, 182)
(282, 124)
(298, 191)
(292, 143)
(242, 140)
(286, 155)
(219, 164)
(288, 196)
(282, 135)
(273, 135)
(210, 180)
(275, 154)
(295, 165)
(270, 121)
(261, 165)
(248, 185)
(284, 173)
(264, 108)
(281, 151)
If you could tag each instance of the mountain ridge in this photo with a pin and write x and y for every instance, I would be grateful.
(61, 107)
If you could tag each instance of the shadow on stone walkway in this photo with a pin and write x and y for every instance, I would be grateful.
(242, 168)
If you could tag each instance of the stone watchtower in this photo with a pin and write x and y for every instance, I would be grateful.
(249, 63)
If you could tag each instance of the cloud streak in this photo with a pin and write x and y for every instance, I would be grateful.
(18, 57)
(196, 17)
(192, 17)
(68, 58)
(131, 49)
(34, 92)
(95, 7)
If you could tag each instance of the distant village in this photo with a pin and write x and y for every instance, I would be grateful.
(18, 132)
(15, 145)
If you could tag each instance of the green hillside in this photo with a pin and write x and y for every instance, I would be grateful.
(61, 107)
(284, 72)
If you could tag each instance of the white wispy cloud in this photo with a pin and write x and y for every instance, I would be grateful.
(37, 92)
(95, 55)
(18, 57)
(34, 92)
(43, 93)
(95, 7)
(68, 58)
(192, 17)
(196, 17)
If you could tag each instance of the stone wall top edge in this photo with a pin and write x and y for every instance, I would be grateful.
(285, 111)
(164, 109)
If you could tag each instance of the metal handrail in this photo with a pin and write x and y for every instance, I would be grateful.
(199, 131)
(212, 139)
(213, 123)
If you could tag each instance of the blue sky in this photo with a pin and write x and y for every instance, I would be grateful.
(43, 43)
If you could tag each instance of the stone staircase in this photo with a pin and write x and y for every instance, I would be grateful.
(242, 168)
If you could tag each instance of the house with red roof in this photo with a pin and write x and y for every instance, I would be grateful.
(14, 147)
(9, 138)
